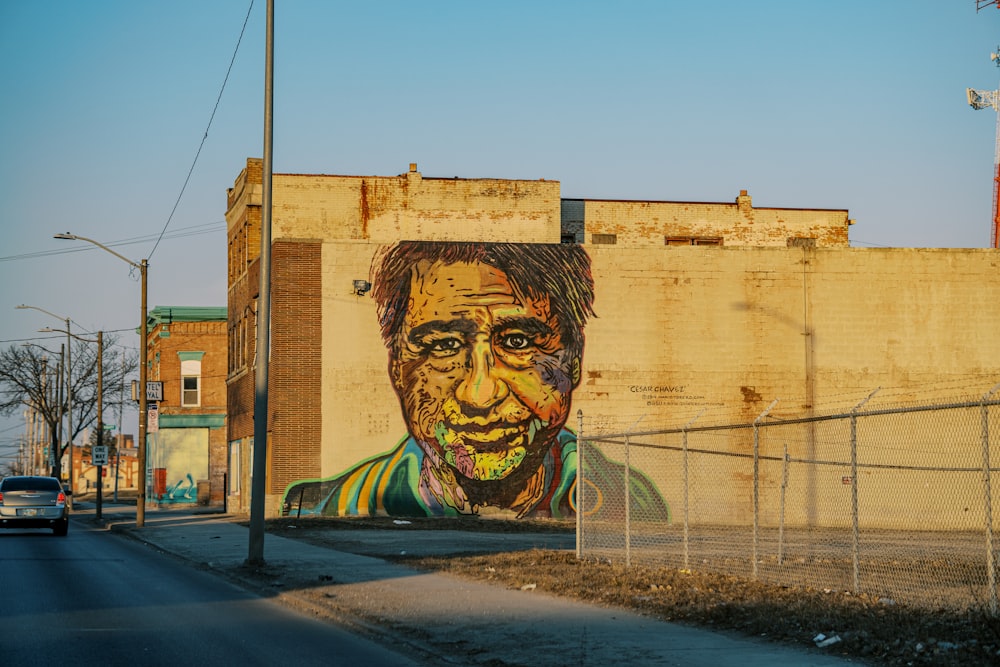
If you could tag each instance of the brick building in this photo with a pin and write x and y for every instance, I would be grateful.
(186, 453)
(702, 308)
(120, 474)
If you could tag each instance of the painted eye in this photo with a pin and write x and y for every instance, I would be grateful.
(515, 341)
(443, 346)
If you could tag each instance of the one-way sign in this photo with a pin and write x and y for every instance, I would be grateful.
(99, 455)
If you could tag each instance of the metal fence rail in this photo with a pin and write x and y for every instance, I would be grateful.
(893, 503)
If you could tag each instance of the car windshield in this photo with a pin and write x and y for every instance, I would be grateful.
(30, 484)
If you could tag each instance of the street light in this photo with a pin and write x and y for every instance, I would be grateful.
(100, 402)
(142, 265)
(69, 392)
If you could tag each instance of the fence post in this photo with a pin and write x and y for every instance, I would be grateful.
(684, 470)
(685, 467)
(628, 496)
(991, 570)
(855, 532)
(781, 512)
(756, 483)
(580, 483)
(628, 508)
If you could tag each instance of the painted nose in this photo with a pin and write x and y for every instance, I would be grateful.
(481, 388)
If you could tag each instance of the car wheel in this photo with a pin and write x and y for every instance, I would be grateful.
(61, 529)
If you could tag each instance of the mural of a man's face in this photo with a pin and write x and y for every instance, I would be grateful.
(482, 373)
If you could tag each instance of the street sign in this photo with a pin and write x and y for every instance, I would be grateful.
(109, 427)
(154, 391)
(153, 419)
(99, 455)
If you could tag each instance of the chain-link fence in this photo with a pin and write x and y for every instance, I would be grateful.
(894, 503)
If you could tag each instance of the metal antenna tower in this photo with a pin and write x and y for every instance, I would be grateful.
(982, 99)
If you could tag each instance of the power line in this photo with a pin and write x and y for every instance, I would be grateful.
(188, 231)
(204, 137)
(60, 338)
(194, 230)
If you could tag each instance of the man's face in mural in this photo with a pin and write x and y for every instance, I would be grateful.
(482, 374)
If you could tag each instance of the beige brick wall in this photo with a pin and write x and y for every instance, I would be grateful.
(720, 333)
(738, 327)
(681, 331)
(725, 330)
(384, 209)
(648, 223)
(717, 334)
(364, 417)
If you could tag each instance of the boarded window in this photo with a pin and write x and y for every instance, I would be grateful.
(801, 242)
(604, 239)
(692, 240)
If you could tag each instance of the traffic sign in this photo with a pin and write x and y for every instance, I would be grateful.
(153, 418)
(99, 455)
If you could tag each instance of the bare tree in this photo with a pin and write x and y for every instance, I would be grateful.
(12, 467)
(29, 377)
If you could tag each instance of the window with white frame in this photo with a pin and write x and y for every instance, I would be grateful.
(190, 379)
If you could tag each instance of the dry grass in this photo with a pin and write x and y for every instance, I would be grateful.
(869, 629)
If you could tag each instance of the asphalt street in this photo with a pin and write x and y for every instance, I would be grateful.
(92, 599)
(436, 618)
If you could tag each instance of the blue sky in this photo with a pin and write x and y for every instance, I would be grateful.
(857, 105)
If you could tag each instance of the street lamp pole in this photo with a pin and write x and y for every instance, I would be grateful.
(142, 265)
(258, 490)
(140, 502)
(69, 392)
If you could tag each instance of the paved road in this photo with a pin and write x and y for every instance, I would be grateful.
(94, 599)
(444, 620)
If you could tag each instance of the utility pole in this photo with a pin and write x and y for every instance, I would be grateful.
(44, 422)
(983, 99)
(100, 419)
(69, 412)
(140, 501)
(120, 439)
(258, 489)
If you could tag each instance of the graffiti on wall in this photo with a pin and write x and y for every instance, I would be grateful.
(485, 346)
(178, 458)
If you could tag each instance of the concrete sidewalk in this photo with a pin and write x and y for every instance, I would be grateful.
(439, 618)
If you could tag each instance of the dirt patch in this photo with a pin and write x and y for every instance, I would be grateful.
(875, 631)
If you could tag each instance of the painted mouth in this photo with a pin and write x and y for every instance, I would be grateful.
(490, 439)
(483, 454)
(477, 434)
